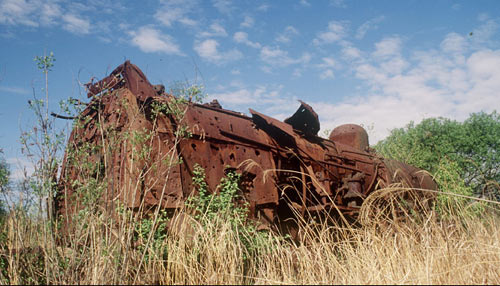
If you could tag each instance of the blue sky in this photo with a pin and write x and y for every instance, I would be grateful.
(376, 63)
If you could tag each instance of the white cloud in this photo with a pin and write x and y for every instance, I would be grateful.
(242, 37)
(335, 32)
(237, 84)
(351, 52)
(73, 17)
(216, 30)
(224, 6)
(16, 90)
(388, 56)
(452, 80)
(49, 13)
(371, 24)
(304, 3)
(188, 21)
(106, 6)
(428, 84)
(327, 62)
(263, 8)
(277, 57)
(454, 43)
(208, 50)
(150, 40)
(399, 89)
(484, 33)
(31, 13)
(297, 72)
(75, 24)
(327, 74)
(389, 46)
(338, 3)
(266, 97)
(483, 17)
(266, 69)
(21, 12)
(238, 97)
(287, 34)
(172, 11)
(484, 65)
(247, 22)
(168, 16)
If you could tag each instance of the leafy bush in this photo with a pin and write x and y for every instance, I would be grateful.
(472, 146)
(158, 229)
(4, 181)
(209, 206)
(454, 201)
(462, 157)
(223, 206)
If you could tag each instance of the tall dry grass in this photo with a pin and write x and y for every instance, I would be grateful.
(427, 250)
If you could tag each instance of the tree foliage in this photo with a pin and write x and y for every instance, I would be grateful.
(473, 146)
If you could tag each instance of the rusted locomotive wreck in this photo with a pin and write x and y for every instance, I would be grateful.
(286, 168)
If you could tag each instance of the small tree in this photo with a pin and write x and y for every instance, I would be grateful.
(43, 141)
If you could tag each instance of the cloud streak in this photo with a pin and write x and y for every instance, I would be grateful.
(16, 90)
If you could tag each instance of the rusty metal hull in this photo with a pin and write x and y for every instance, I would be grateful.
(285, 166)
